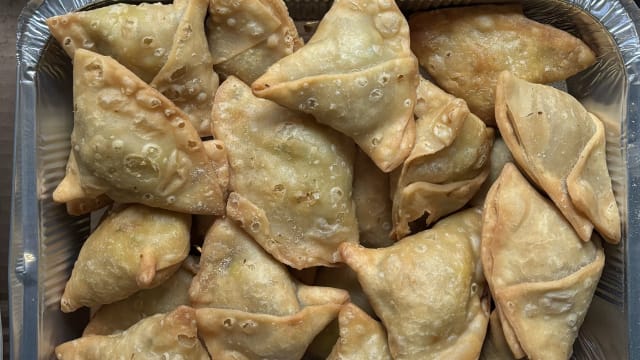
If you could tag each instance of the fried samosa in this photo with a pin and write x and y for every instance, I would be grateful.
(187, 78)
(464, 49)
(162, 336)
(236, 273)
(119, 316)
(542, 276)
(357, 74)
(428, 289)
(137, 36)
(132, 144)
(135, 247)
(164, 45)
(447, 165)
(232, 334)
(248, 36)
(291, 178)
(373, 202)
(361, 337)
(561, 147)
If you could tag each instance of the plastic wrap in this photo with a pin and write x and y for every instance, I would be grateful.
(45, 240)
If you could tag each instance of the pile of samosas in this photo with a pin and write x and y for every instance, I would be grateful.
(350, 208)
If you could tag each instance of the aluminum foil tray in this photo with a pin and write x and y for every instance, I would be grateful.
(45, 240)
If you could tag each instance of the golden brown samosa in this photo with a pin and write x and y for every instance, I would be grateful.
(291, 178)
(561, 147)
(132, 144)
(165, 45)
(135, 247)
(163, 336)
(541, 275)
(464, 49)
(248, 36)
(137, 36)
(361, 337)
(187, 78)
(373, 202)
(236, 273)
(428, 289)
(356, 74)
(447, 165)
(230, 334)
(118, 316)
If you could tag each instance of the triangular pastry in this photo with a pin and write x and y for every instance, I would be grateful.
(163, 44)
(232, 334)
(356, 74)
(248, 36)
(169, 336)
(236, 273)
(428, 289)
(291, 178)
(541, 274)
(561, 147)
(132, 144)
(464, 49)
(447, 165)
(135, 247)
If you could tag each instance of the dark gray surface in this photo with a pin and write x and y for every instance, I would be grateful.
(9, 10)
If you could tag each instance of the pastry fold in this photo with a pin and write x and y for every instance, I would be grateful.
(357, 75)
(361, 337)
(495, 345)
(135, 247)
(291, 178)
(236, 273)
(163, 336)
(541, 274)
(428, 289)
(247, 36)
(118, 316)
(164, 45)
(132, 144)
(464, 49)
(561, 147)
(232, 334)
(447, 165)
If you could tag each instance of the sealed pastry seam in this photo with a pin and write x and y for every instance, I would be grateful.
(511, 136)
(281, 193)
(561, 147)
(356, 74)
(464, 49)
(558, 301)
(387, 140)
(187, 78)
(132, 144)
